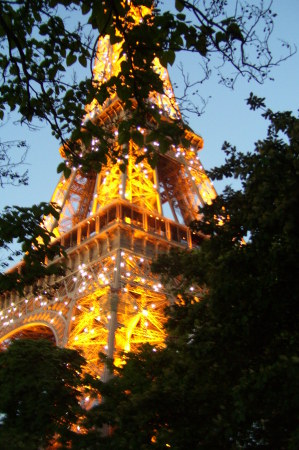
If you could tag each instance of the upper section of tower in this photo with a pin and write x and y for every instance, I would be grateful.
(174, 186)
(108, 63)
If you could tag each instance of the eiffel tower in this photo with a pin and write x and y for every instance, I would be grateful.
(112, 224)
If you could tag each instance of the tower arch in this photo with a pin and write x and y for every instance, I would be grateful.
(33, 330)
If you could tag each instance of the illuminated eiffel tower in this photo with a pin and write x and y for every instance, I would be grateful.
(112, 225)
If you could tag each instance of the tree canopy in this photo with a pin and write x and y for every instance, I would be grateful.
(39, 396)
(26, 226)
(228, 376)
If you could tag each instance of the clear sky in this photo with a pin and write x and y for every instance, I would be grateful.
(226, 117)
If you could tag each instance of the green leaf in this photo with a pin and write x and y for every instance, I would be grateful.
(220, 37)
(170, 57)
(83, 60)
(114, 39)
(185, 142)
(123, 167)
(179, 5)
(67, 172)
(164, 145)
(201, 44)
(124, 137)
(125, 68)
(138, 138)
(60, 167)
(123, 93)
(43, 29)
(234, 31)
(71, 59)
(85, 8)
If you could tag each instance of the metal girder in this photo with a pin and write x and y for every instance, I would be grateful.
(112, 225)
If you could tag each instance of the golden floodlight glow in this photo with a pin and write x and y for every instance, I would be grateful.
(112, 225)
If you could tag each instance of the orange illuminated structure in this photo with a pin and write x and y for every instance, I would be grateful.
(112, 225)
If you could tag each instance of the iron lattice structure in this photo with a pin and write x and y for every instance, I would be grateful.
(112, 225)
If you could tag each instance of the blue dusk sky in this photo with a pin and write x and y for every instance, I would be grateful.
(226, 117)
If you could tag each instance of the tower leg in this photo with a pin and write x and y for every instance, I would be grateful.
(114, 301)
